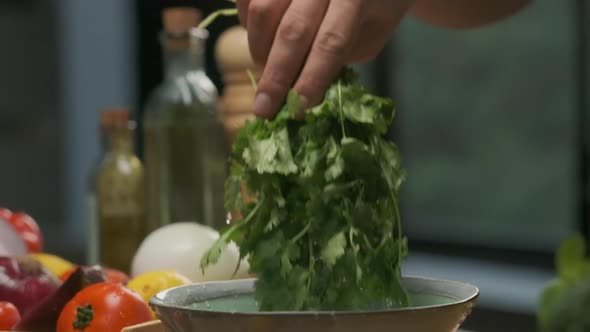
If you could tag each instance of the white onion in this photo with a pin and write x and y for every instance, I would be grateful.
(179, 247)
(11, 243)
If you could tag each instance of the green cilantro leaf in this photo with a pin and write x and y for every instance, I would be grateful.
(335, 162)
(563, 303)
(334, 249)
(570, 257)
(274, 220)
(271, 155)
(212, 255)
(291, 108)
(233, 193)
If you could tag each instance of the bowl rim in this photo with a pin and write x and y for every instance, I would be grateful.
(157, 301)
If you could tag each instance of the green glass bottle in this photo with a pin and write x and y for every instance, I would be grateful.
(120, 193)
(185, 149)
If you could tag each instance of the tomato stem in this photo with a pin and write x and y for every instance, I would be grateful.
(84, 315)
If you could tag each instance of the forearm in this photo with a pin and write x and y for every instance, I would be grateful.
(462, 14)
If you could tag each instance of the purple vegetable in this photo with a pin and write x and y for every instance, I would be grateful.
(43, 318)
(25, 282)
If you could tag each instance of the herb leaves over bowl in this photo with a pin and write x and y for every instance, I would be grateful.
(323, 230)
(564, 303)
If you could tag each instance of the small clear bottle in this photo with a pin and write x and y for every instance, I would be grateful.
(120, 193)
(185, 147)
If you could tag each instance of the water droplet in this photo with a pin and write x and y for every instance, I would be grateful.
(388, 303)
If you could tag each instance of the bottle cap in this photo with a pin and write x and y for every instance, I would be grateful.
(178, 20)
(115, 117)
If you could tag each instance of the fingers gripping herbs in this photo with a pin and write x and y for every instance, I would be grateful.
(324, 231)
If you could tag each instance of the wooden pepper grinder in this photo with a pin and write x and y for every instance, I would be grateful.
(232, 54)
(233, 58)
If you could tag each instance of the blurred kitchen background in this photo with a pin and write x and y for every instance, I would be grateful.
(492, 124)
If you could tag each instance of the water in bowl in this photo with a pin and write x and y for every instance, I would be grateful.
(246, 303)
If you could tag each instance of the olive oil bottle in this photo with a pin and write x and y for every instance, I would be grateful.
(120, 197)
(184, 143)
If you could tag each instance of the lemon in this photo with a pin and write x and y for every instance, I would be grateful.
(151, 283)
(53, 263)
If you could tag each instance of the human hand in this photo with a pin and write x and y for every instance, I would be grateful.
(304, 43)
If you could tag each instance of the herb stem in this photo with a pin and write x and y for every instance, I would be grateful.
(368, 243)
(399, 228)
(311, 262)
(252, 79)
(221, 12)
(351, 231)
(237, 267)
(253, 212)
(300, 234)
(340, 109)
(404, 300)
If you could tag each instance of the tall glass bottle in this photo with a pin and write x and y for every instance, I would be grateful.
(185, 149)
(120, 195)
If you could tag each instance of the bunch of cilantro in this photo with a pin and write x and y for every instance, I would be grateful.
(323, 232)
(565, 303)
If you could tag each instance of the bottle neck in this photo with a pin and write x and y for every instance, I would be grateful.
(119, 141)
(182, 53)
(179, 62)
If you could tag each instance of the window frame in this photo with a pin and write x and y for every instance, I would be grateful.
(491, 318)
(385, 84)
(583, 70)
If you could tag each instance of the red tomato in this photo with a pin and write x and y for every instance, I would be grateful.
(5, 214)
(9, 316)
(103, 307)
(111, 275)
(116, 276)
(27, 227)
